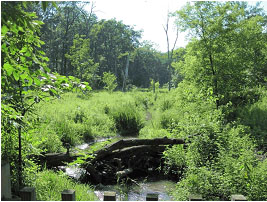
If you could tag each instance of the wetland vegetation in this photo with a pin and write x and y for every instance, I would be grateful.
(69, 78)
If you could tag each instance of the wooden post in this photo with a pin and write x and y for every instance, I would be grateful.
(68, 195)
(27, 194)
(5, 180)
(238, 197)
(152, 197)
(195, 197)
(109, 196)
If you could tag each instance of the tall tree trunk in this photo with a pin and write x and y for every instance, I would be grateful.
(170, 53)
(125, 74)
(20, 158)
(215, 83)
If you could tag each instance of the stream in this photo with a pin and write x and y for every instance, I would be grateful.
(135, 192)
(138, 193)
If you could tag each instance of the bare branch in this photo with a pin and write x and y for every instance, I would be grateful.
(177, 33)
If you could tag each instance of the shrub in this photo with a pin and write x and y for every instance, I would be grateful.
(128, 119)
(110, 81)
(175, 160)
(202, 181)
(255, 116)
(257, 187)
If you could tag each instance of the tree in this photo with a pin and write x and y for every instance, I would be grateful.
(170, 52)
(111, 42)
(83, 65)
(61, 26)
(110, 81)
(147, 63)
(25, 78)
(23, 64)
(227, 43)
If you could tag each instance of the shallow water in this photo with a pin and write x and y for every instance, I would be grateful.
(135, 192)
(85, 146)
(138, 193)
(74, 171)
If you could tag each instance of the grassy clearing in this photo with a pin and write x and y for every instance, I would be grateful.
(219, 161)
(75, 119)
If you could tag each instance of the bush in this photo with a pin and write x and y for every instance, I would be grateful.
(200, 181)
(110, 81)
(257, 187)
(175, 160)
(255, 116)
(220, 166)
(128, 119)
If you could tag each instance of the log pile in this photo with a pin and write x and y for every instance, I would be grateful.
(52, 160)
(127, 157)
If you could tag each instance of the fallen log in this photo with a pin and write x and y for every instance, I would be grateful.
(130, 151)
(136, 142)
(57, 159)
(133, 157)
(124, 172)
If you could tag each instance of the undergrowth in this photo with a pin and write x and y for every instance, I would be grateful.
(76, 118)
(219, 158)
(49, 186)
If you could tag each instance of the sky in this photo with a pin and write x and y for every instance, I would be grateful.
(146, 15)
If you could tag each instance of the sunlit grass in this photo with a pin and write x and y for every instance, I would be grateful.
(49, 186)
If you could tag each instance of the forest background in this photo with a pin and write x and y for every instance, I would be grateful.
(54, 54)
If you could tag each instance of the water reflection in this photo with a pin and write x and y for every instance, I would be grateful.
(138, 193)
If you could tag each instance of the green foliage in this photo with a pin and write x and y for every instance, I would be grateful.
(219, 159)
(225, 39)
(23, 65)
(175, 159)
(72, 120)
(147, 64)
(83, 65)
(110, 40)
(49, 186)
(231, 172)
(199, 181)
(257, 184)
(128, 119)
(153, 132)
(25, 81)
(255, 116)
(110, 81)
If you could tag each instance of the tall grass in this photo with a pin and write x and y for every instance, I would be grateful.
(75, 119)
(49, 186)
(128, 119)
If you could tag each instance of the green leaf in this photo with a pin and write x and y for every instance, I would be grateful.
(54, 4)
(24, 3)
(24, 76)
(23, 59)
(52, 91)
(30, 80)
(16, 75)
(9, 69)
(28, 54)
(4, 30)
(24, 49)
(37, 81)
